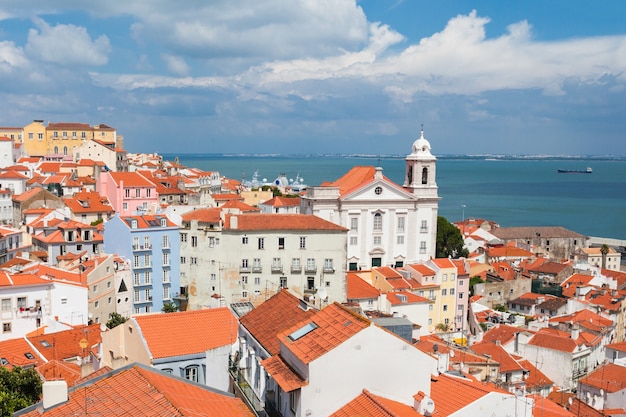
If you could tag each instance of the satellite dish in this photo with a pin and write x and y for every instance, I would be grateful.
(322, 294)
(429, 405)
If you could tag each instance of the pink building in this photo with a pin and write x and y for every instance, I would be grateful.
(128, 192)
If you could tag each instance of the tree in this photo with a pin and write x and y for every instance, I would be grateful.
(169, 308)
(115, 319)
(473, 281)
(449, 240)
(19, 388)
(442, 327)
(604, 250)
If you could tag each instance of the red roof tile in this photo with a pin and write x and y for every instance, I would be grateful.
(253, 221)
(610, 377)
(65, 344)
(17, 352)
(358, 288)
(370, 405)
(284, 376)
(187, 332)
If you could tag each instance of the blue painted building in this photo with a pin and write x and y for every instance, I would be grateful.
(152, 245)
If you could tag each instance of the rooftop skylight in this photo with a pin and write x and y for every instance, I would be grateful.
(303, 331)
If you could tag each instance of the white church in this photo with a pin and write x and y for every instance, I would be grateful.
(388, 224)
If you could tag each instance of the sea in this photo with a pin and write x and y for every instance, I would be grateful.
(510, 190)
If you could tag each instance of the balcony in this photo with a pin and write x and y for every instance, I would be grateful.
(310, 269)
(329, 270)
(257, 268)
(244, 268)
(277, 269)
(579, 373)
(296, 269)
(139, 248)
(244, 391)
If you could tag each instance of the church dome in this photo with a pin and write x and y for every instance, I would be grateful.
(421, 146)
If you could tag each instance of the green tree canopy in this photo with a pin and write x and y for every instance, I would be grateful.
(19, 388)
(115, 319)
(449, 240)
(169, 308)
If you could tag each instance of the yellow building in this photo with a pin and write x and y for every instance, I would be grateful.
(63, 139)
(446, 301)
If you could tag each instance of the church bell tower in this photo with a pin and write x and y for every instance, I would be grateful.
(420, 174)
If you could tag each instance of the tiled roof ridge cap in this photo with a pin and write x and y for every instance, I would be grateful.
(380, 407)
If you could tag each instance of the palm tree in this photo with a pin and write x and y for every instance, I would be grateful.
(604, 250)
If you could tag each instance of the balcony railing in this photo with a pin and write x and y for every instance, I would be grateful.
(329, 270)
(578, 373)
(244, 391)
(277, 269)
(142, 247)
(310, 269)
(296, 269)
(243, 268)
(257, 268)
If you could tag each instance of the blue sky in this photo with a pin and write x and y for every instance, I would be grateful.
(323, 76)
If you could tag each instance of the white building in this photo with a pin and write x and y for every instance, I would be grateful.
(388, 224)
(29, 302)
(250, 256)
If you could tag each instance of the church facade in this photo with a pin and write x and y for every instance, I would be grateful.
(388, 224)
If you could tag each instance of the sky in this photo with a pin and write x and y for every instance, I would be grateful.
(529, 77)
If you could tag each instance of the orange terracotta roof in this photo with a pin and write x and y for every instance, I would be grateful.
(395, 298)
(272, 317)
(610, 377)
(240, 205)
(65, 344)
(423, 269)
(226, 197)
(550, 339)
(56, 370)
(619, 276)
(49, 167)
(131, 179)
(370, 405)
(279, 201)
(140, 391)
(253, 221)
(427, 345)
(586, 318)
(285, 377)
(451, 394)
(547, 408)
(21, 279)
(333, 325)
(443, 262)
(187, 332)
(621, 346)
(203, 215)
(147, 221)
(17, 352)
(498, 354)
(88, 202)
(358, 288)
(504, 333)
(508, 252)
(27, 194)
(535, 379)
(357, 177)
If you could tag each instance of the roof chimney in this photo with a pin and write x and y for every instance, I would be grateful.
(575, 332)
(54, 392)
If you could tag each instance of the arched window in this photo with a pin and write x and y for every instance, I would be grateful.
(65, 150)
(410, 175)
(378, 222)
(425, 175)
(56, 149)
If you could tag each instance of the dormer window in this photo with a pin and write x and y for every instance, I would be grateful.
(133, 224)
(163, 222)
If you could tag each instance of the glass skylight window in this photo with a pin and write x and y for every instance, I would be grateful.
(303, 331)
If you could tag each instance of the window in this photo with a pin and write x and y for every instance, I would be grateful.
(183, 237)
(445, 277)
(445, 307)
(127, 192)
(191, 373)
(137, 192)
(96, 304)
(147, 261)
(6, 305)
(6, 327)
(446, 321)
(125, 207)
(21, 302)
(293, 400)
(165, 241)
(146, 242)
(281, 243)
(401, 224)
(30, 136)
(425, 175)
(276, 264)
(244, 279)
(136, 296)
(444, 291)
(451, 291)
(257, 280)
(55, 134)
(377, 240)
(430, 307)
(166, 258)
(183, 260)
(148, 294)
(64, 135)
(149, 194)
(147, 277)
(354, 224)
(83, 135)
(400, 240)
(244, 264)
(452, 276)
(74, 135)
(244, 240)
(95, 288)
(166, 292)
(302, 242)
(353, 240)
(283, 282)
(193, 260)
(424, 226)
(166, 275)
(423, 246)
(328, 265)
(256, 264)
(261, 243)
(378, 190)
(40, 136)
(310, 264)
(194, 241)
(136, 280)
(378, 222)
(244, 294)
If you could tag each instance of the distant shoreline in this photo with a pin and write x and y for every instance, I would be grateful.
(482, 157)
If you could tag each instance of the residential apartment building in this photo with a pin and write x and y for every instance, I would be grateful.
(250, 256)
(152, 245)
(11, 242)
(388, 224)
(129, 193)
(58, 237)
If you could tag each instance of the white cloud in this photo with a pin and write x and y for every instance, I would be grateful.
(11, 57)
(67, 45)
(176, 65)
